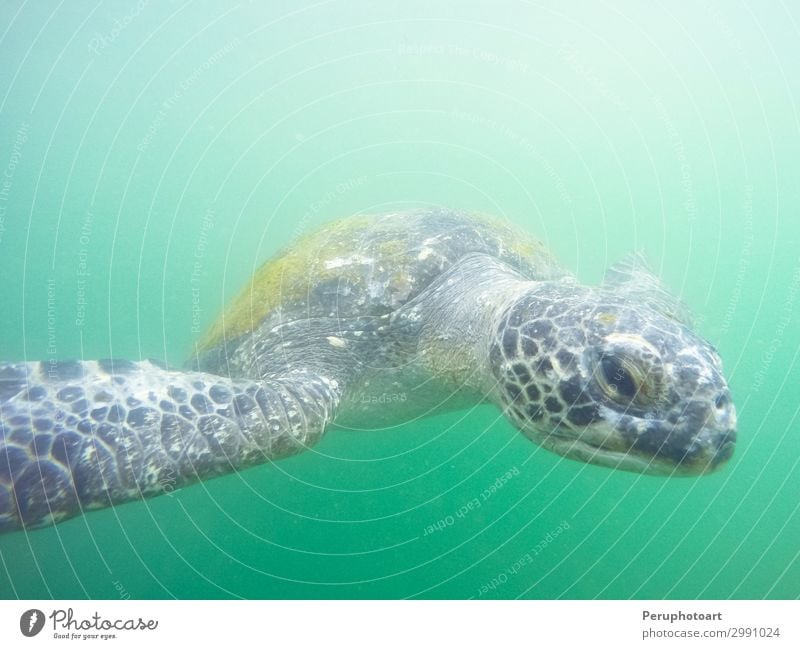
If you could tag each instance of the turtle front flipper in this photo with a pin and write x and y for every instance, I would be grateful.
(82, 435)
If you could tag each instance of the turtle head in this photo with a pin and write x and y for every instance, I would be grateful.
(614, 375)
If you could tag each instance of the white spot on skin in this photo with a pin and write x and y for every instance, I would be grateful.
(338, 262)
(376, 289)
(336, 342)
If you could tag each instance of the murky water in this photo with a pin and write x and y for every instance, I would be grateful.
(153, 156)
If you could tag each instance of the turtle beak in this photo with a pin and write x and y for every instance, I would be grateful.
(700, 444)
(722, 435)
(725, 444)
(713, 445)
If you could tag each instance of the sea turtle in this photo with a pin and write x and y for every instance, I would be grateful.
(371, 321)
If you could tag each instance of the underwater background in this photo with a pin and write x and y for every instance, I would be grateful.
(153, 154)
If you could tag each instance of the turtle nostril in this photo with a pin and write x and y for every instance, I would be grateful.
(722, 401)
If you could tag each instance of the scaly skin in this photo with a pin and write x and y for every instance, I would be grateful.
(450, 309)
(81, 435)
(553, 361)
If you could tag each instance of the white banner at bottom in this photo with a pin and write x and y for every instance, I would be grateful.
(389, 624)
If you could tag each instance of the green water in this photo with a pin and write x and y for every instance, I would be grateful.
(154, 156)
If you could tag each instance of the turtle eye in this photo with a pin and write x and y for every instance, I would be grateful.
(628, 370)
(619, 380)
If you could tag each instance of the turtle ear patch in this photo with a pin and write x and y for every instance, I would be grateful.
(633, 277)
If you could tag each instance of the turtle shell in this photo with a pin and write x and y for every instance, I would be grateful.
(371, 265)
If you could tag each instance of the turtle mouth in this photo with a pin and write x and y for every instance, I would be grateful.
(609, 450)
(586, 452)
